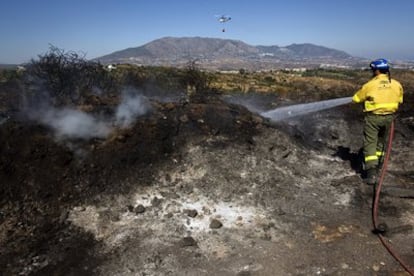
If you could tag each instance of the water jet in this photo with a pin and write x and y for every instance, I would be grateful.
(286, 112)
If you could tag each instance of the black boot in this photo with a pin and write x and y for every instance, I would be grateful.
(371, 178)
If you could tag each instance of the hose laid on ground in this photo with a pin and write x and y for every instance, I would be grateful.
(379, 232)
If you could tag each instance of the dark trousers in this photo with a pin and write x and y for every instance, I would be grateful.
(376, 132)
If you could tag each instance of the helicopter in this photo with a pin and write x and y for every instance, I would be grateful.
(223, 19)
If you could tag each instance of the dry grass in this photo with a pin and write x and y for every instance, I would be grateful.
(326, 83)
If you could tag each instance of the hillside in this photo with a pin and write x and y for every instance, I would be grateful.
(129, 180)
(199, 189)
(214, 53)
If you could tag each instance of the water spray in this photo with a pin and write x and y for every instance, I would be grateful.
(285, 112)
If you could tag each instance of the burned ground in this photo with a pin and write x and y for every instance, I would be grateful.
(202, 188)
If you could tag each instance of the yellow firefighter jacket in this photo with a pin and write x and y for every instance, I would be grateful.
(380, 96)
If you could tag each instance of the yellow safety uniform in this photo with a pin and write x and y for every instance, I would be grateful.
(380, 96)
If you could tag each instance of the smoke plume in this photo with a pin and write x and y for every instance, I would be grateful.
(131, 107)
(71, 123)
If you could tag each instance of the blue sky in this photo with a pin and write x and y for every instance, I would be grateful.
(366, 28)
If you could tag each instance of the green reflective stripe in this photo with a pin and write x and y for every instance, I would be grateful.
(371, 158)
(388, 106)
(380, 153)
(356, 99)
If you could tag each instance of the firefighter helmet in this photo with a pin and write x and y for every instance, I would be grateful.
(379, 64)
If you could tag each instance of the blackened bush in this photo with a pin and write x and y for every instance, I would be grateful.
(197, 83)
(66, 76)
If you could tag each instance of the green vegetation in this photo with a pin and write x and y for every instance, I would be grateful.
(8, 75)
(331, 73)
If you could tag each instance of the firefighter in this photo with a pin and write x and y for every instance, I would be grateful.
(381, 96)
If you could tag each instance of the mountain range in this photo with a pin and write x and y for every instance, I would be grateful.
(228, 54)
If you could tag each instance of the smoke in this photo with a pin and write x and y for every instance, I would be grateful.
(71, 123)
(131, 107)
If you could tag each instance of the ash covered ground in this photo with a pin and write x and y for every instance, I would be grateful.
(199, 188)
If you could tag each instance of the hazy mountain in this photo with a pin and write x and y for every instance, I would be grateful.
(217, 53)
(306, 50)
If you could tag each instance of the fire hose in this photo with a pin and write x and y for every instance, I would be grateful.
(377, 228)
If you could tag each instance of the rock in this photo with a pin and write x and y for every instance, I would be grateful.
(215, 224)
(139, 209)
(156, 201)
(188, 241)
(191, 213)
(130, 208)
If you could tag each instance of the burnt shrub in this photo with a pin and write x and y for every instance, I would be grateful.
(66, 76)
(198, 83)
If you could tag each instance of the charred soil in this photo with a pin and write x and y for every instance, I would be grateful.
(202, 188)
